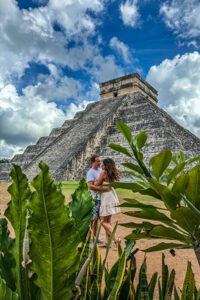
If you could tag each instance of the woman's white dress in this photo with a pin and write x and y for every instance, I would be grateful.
(109, 203)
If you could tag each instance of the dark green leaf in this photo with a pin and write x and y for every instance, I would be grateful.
(180, 185)
(119, 277)
(175, 172)
(166, 194)
(120, 149)
(152, 285)
(193, 188)
(152, 214)
(186, 219)
(133, 167)
(163, 246)
(81, 208)
(168, 233)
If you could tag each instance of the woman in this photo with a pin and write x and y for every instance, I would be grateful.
(109, 200)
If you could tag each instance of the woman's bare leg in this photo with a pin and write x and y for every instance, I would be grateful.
(106, 223)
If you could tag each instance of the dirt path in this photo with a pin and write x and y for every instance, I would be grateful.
(178, 262)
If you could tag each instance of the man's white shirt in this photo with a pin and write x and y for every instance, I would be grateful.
(93, 175)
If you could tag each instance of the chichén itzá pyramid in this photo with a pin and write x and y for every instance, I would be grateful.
(130, 99)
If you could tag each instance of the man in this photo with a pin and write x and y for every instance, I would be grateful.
(92, 176)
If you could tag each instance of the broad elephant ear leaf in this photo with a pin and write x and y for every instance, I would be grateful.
(81, 208)
(54, 239)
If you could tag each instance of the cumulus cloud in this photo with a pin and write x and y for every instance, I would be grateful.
(178, 84)
(182, 16)
(23, 119)
(129, 13)
(105, 68)
(121, 49)
(42, 35)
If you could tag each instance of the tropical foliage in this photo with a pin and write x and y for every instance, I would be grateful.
(50, 257)
(174, 182)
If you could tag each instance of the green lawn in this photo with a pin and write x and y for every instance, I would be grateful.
(69, 187)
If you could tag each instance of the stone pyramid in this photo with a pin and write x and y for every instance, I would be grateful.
(130, 99)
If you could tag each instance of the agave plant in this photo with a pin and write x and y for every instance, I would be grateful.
(171, 180)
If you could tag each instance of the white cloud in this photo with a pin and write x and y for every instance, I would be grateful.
(182, 16)
(105, 68)
(121, 48)
(129, 13)
(33, 36)
(24, 119)
(178, 84)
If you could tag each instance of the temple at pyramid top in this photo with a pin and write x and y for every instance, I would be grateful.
(127, 84)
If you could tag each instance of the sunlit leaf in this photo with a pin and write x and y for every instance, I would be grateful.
(160, 162)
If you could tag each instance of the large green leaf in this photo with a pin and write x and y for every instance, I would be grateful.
(6, 293)
(180, 185)
(16, 211)
(168, 197)
(120, 149)
(133, 167)
(81, 208)
(160, 162)
(163, 246)
(125, 130)
(152, 214)
(141, 139)
(7, 261)
(186, 219)
(168, 233)
(175, 172)
(54, 239)
(193, 188)
(195, 210)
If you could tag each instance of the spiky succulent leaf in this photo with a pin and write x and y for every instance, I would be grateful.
(189, 284)
(119, 277)
(81, 208)
(16, 211)
(54, 239)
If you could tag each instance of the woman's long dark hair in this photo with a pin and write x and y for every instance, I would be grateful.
(111, 170)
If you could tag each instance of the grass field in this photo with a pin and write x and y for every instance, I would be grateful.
(69, 187)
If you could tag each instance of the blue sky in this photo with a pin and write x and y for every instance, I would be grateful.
(55, 53)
